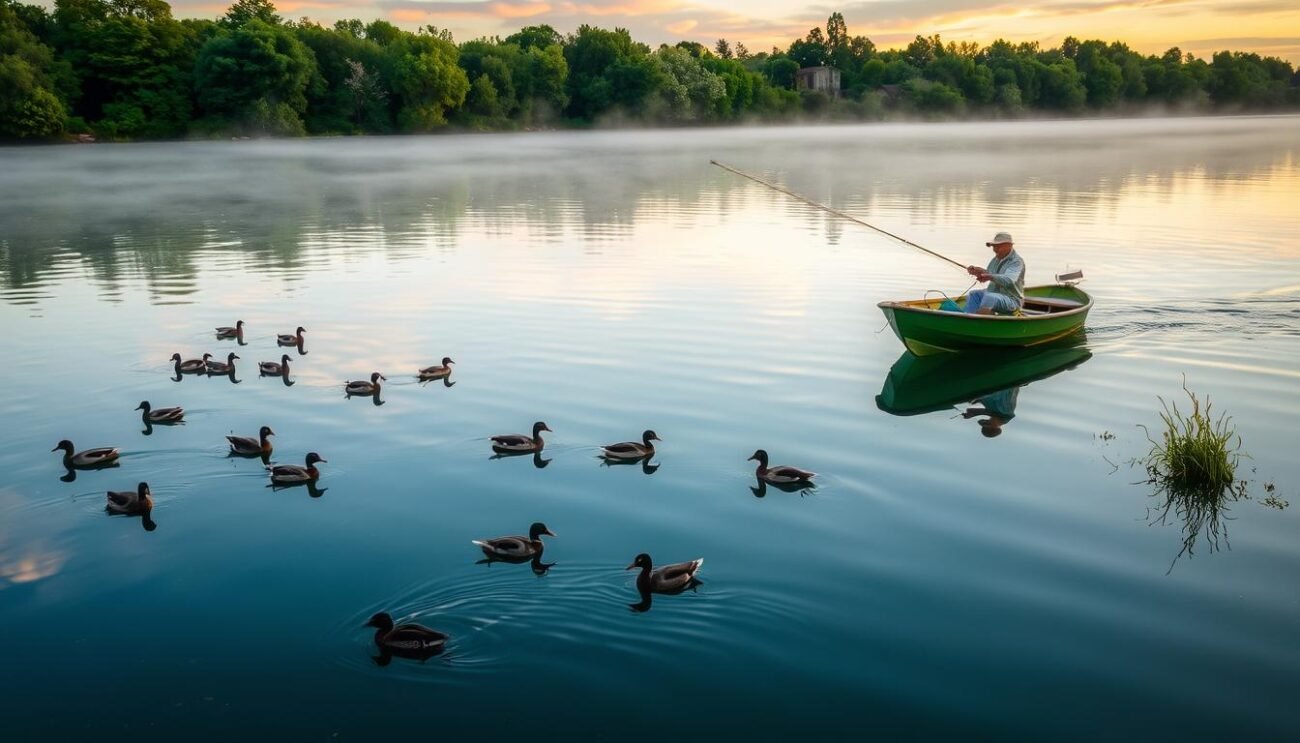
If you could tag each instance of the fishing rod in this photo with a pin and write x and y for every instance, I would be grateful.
(835, 212)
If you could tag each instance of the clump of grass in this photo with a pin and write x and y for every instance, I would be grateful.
(1197, 453)
(1193, 467)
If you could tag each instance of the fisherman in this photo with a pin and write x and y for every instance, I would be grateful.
(1006, 278)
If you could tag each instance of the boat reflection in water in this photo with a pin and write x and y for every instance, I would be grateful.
(989, 381)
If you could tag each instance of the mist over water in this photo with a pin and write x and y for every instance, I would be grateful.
(936, 583)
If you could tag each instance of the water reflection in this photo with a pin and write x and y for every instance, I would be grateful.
(313, 489)
(255, 204)
(534, 562)
(538, 461)
(990, 381)
(1202, 513)
(803, 487)
(647, 467)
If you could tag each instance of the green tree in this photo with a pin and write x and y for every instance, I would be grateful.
(29, 106)
(810, 51)
(535, 37)
(606, 69)
(425, 79)
(781, 71)
(253, 78)
(244, 11)
(689, 91)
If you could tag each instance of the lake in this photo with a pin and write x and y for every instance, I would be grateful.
(938, 582)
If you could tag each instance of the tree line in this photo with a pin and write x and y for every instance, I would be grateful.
(126, 69)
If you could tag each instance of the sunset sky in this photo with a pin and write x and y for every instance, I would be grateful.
(1270, 27)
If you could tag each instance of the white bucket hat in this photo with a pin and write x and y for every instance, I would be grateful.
(998, 239)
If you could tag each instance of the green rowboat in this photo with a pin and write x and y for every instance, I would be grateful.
(1051, 311)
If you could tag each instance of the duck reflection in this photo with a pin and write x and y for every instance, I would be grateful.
(647, 468)
(534, 562)
(988, 381)
(445, 381)
(265, 457)
(804, 487)
(538, 461)
(313, 489)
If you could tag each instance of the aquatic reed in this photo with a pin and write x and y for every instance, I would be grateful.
(1196, 452)
(1194, 468)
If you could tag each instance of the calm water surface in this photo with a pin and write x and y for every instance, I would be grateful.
(937, 583)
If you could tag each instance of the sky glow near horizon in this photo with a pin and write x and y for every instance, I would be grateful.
(1201, 27)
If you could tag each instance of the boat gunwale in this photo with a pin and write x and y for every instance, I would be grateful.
(911, 305)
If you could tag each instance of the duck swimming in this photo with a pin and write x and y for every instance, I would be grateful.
(780, 474)
(191, 366)
(632, 449)
(130, 503)
(516, 547)
(285, 339)
(409, 640)
(511, 443)
(217, 368)
(365, 388)
(160, 415)
(667, 579)
(437, 372)
(87, 458)
(272, 369)
(234, 332)
(250, 447)
(292, 474)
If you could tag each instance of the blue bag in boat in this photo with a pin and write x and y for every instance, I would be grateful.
(947, 305)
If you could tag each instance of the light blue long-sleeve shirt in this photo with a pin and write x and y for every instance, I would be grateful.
(1007, 276)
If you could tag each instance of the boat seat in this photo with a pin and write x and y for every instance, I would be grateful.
(1048, 305)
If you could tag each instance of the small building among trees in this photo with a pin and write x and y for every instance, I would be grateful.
(824, 79)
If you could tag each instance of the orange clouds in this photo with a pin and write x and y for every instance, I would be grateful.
(509, 10)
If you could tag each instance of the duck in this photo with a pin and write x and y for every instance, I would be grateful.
(780, 474)
(272, 369)
(668, 579)
(294, 339)
(365, 388)
(518, 442)
(292, 474)
(191, 366)
(406, 639)
(130, 503)
(437, 372)
(632, 449)
(516, 547)
(87, 458)
(220, 367)
(234, 332)
(161, 415)
(251, 447)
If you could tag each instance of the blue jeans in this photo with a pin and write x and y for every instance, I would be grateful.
(980, 299)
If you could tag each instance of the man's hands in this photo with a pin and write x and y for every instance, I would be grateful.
(980, 274)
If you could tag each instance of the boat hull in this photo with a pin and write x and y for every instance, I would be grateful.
(926, 330)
